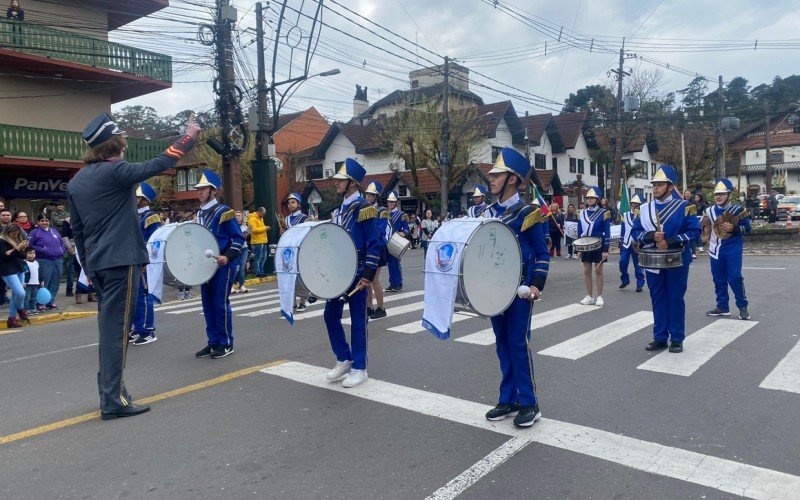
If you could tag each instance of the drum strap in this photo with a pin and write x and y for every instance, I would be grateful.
(668, 211)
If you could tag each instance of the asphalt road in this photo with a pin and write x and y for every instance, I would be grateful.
(719, 420)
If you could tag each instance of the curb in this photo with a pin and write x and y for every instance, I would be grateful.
(259, 281)
(56, 317)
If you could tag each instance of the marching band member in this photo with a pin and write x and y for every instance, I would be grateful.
(144, 317)
(626, 251)
(372, 193)
(221, 221)
(594, 221)
(726, 254)
(357, 216)
(479, 202)
(399, 223)
(512, 328)
(295, 217)
(665, 223)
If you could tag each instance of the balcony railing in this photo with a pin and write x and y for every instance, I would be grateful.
(42, 143)
(67, 46)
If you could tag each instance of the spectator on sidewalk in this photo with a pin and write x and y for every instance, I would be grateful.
(772, 207)
(429, 226)
(21, 220)
(572, 216)
(258, 240)
(32, 282)
(241, 276)
(12, 271)
(555, 228)
(50, 251)
(65, 228)
(5, 220)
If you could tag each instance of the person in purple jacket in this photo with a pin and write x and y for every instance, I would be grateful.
(49, 252)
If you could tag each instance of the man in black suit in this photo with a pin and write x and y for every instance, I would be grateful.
(110, 246)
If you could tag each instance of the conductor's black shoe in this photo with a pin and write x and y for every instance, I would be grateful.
(638, 289)
(378, 314)
(622, 285)
(676, 347)
(718, 312)
(126, 411)
(204, 352)
(744, 313)
(502, 411)
(221, 352)
(527, 416)
(656, 345)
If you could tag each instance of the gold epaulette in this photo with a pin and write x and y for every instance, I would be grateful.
(386, 215)
(607, 215)
(744, 213)
(636, 213)
(227, 216)
(691, 210)
(153, 219)
(367, 213)
(533, 218)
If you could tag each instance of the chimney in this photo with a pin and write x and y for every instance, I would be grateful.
(360, 102)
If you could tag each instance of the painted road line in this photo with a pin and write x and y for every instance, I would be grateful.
(197, 302)
(6, 332)
(266, 300)
(10, 438)
(705, 470)
(589, 342)
(701, 346)
(32, 356)
(786, 375)
(396, 311)
(540, 320)
(416, 326)
(766, 268)
(314, 314)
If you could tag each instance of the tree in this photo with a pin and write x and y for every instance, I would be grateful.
(694, 94)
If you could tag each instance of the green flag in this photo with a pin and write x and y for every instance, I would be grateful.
(624, 199)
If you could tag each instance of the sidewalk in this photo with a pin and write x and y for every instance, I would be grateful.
(68, 309)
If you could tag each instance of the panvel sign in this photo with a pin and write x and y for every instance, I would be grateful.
(33, 187)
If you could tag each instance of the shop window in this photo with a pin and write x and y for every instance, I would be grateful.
(776, 156)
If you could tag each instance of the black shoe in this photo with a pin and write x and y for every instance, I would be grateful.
(656, 345)
(126, 411)
(718, 312)
(744, 313)
(204, 352)
(638, 289)
(221, 352)
(378, 314)
(676, 347)
(390, 289)
(527, 416)
(622, 285)
(502, 411)
(147, 338)
(370, 312)
(70, 294)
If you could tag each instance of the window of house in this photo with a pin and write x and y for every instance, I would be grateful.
(653, 168)
(573, 165)
(592, 168)
(314, 172)
(180, 181)
(192, 178)
(540, 161)
(337, 166)
(495, 153)
(414, 84)
(555, 163)
(640, 170)
(580, 166)
(640, 192)
(402, 190)
(776, 156)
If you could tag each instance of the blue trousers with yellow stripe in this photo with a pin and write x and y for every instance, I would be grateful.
(217, 306)
(512, 329)
(358, 330)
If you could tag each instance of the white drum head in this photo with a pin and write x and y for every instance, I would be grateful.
(327, 260)
(491, 267)
(184, 254)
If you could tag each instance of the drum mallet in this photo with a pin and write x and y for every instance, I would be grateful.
(524, 292)
(210, 254)
(346, 298)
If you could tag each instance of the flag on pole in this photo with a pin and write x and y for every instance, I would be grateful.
(544, 208)
(624, 198)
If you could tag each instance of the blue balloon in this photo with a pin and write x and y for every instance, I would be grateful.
(43, 296)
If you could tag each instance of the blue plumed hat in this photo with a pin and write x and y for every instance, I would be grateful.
(723, 186)
(99, 130)
(375, 188)
(209, 178)
(294, 196)
(351, 170)
(145, 190)
(479, 191)
(665, 173)
(510, 160)
(594, 192)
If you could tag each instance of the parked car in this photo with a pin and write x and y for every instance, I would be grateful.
(789, 204)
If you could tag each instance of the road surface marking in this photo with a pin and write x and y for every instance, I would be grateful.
(589, 342)
(6, 332)
(766, 268)
(197, 302)
(416, 326)
(314, 314)
(10, 438)
(786, 375)
(396, 311)
(705, 470)
(540, 320)
(32, 356)
(700, 347)
(236, 306)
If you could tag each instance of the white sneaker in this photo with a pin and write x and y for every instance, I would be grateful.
(339, 370)
(588, 300)
(599, 302)
(356, 378)
(233, 290)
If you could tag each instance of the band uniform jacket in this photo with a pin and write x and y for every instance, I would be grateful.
(220, 220)
(733, 243)
(399, 221)
(595, 223)
(295, 218)
(673, 216)
(358, 218)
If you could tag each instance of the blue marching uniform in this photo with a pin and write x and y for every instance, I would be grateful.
(667, 286)
(358, 217)
(477, 210)
(295, 218)
(144, 316)
(399, 222)
(595, 222)
(627, 253)
(726, 255)
(383, 228)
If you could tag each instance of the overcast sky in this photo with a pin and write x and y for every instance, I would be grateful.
(491, 42)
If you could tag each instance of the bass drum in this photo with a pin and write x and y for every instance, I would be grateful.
(181, 247)
(322, 255)
(489, 259)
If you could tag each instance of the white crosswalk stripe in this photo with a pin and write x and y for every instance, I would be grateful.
(589, 342)
(259, 302)
(196, 302)
(701, 346)
(540, 320)
(396, 311)
(314, 314)
(786, 375)
(416, 326)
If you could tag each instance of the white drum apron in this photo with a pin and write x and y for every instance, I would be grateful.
(489, 259)
(184, 258)
(322, 255)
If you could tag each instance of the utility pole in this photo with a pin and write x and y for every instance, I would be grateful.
(683, 162)
(226, 104)
(720, 149)
(615, 180)
(444, 159)
(768, 166)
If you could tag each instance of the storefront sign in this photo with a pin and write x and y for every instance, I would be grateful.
(33, 187)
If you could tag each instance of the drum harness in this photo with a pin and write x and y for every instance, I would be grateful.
(660, 217)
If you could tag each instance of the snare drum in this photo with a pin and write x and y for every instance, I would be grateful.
(181, 247)
(489, 262)
(654, 258)
(322, 255)
(397, 246)
(587, 244)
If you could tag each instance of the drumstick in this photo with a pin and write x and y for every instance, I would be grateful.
(598, 264)
(358, 288)
(210, 254)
